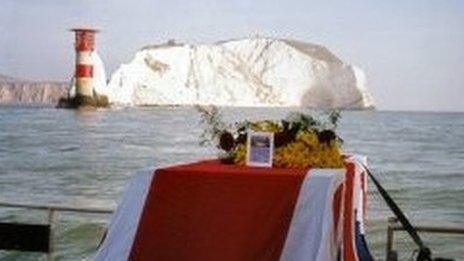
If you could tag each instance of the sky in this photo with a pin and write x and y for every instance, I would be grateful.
(412, 51)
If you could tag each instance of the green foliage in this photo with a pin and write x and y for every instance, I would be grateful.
(334, 117)
(324, 124)
(212, 119)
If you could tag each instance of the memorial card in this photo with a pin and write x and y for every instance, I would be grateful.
(260, 149)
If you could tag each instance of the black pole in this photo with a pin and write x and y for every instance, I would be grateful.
(424, 252)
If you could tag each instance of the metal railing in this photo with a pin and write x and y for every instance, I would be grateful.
(393, 226)
(52, 211)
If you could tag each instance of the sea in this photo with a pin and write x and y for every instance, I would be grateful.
(60, 157)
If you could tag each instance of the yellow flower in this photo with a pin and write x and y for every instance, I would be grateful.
(266, 126)
(240, 154)
(305, 151)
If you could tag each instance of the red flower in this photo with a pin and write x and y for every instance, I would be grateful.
(226, 141)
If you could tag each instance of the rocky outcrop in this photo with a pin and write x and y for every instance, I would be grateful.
(244, 72)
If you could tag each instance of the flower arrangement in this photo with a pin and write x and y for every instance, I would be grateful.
(300, 140)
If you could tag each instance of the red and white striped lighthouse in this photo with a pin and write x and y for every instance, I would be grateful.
(84, 45)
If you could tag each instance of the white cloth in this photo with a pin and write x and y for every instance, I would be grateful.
(123, 226)
(311, 233)
(360, 188)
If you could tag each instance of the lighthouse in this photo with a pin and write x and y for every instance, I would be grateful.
(84, 46)
(85, 94)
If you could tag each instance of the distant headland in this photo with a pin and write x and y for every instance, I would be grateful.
(259, 71)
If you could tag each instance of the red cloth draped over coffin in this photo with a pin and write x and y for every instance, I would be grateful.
(212, 211)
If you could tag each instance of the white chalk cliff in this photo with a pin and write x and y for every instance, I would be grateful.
(18, 91)
(246, 72)
(22, 92)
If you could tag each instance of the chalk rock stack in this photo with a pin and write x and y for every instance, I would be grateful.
(245, 72)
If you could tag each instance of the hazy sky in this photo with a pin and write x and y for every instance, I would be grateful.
(411, 51)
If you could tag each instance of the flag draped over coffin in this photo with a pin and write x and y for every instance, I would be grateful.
(212, 211)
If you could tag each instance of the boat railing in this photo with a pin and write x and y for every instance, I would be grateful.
(52, 211)
(394, 225)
